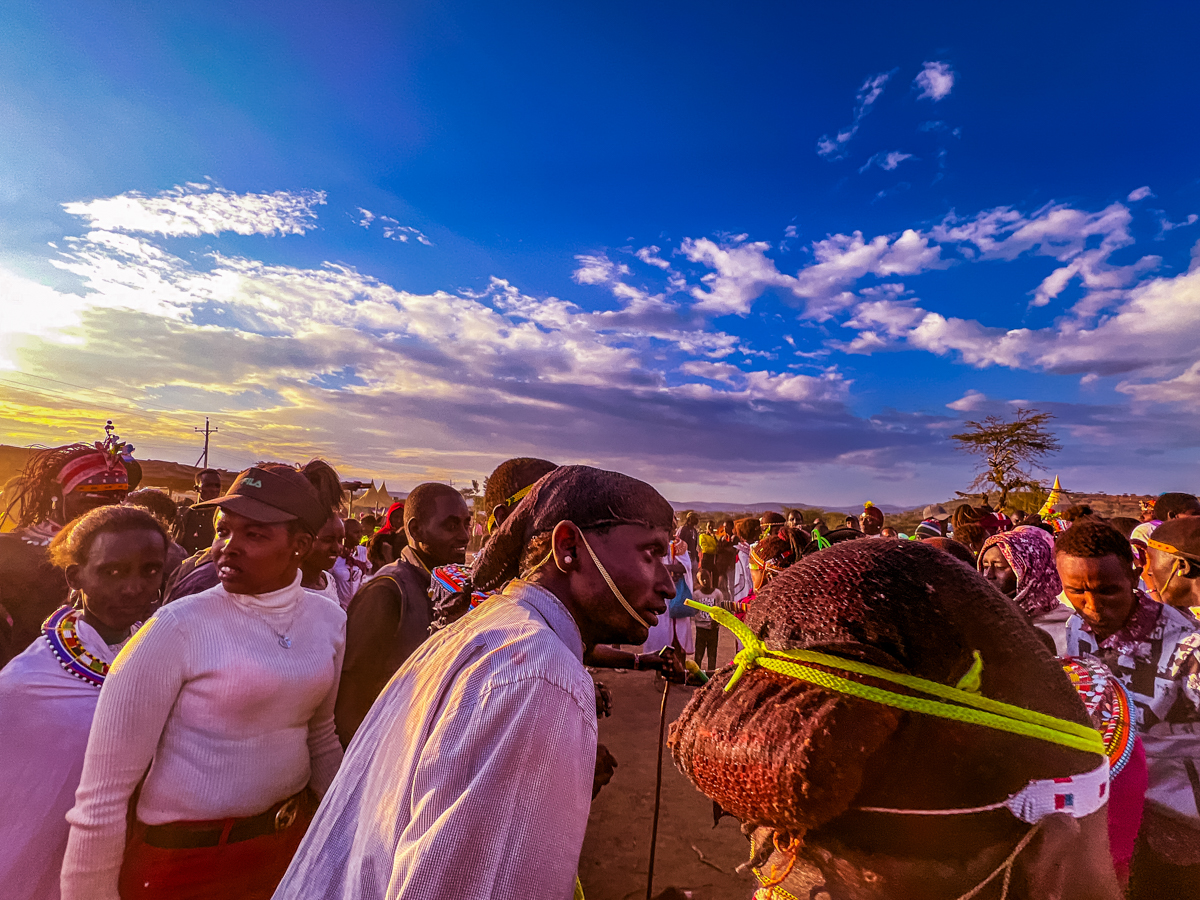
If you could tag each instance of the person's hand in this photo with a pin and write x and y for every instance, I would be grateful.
(670, 664)
(606, 765)
(603, 700)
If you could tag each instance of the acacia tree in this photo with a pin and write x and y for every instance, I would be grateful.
(1008, 450)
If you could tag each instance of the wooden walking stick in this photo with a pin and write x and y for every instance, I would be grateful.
(662, 729)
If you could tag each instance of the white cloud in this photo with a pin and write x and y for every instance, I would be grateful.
(886, 161)
(1067, 234)
(742, 273)
(1153, 330)
(971, 401)
(1165, 225)
(366, 217)
(1140, 194)
(935, 80)
(649, 255)
(297, 361)
(1183, 389)
(715, 371)
(195, 209)
(597, 269)
(868, 94)
(402, 233)
(842, 260)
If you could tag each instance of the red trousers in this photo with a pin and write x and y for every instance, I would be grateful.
(244, 870)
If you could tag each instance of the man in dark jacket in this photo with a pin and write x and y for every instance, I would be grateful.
(196, 530)
(389, 617)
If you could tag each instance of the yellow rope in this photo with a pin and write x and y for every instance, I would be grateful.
(974, 708)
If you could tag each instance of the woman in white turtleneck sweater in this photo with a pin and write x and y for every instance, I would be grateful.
(222, 708)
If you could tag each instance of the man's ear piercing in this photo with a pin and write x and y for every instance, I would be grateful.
(566, 559)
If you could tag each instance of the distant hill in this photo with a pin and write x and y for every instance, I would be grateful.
(886, 508)
(156, 473)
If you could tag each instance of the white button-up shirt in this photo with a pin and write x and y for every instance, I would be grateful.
(471, 777)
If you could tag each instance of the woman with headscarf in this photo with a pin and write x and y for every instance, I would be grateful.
(894, 728)
(57, 485)
(113, 559)
(1020, 564)
(385, 545)
(472, 775)
(741, 582)
(215, 728)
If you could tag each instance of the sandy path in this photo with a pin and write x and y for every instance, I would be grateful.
(617, 847)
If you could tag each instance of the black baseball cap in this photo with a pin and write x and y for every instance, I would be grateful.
(272, 498)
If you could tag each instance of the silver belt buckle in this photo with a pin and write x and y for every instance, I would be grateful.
(287, 814)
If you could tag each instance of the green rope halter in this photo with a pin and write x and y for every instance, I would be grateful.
(965, 703)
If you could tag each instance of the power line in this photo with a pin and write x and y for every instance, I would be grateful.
(207, 432)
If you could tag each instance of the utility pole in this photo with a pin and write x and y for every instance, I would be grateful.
(206, 432)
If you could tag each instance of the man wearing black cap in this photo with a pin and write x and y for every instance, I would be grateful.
(389, 616)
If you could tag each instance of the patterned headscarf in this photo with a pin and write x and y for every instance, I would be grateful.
(94, 473)
(1030, 553)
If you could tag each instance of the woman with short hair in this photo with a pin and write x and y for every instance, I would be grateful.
(112, 558)
(215, 727)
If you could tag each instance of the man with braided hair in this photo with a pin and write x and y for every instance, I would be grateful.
(472, 775)
(57, 485)
(894, 728)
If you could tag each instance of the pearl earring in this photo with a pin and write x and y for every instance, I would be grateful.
(566, 559)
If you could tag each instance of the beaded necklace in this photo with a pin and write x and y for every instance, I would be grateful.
(62, 633)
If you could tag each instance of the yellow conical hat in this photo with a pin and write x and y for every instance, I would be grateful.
(1055, 495)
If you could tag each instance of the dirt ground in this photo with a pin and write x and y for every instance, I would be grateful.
(616, 850)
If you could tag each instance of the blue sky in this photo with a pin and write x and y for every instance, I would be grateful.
(778, 251)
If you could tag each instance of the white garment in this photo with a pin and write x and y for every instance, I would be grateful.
(741, 583)
(330, 590)
(348, 579)
(232, 721)
(471, 777)
(666, 630)
(45, 716)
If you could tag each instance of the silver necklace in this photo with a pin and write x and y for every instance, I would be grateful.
(284, 641)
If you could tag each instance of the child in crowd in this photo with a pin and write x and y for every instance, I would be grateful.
(706, 629)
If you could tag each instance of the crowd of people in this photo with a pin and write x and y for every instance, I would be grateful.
(260, 696)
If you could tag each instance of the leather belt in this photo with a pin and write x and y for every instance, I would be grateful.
(192, 835)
